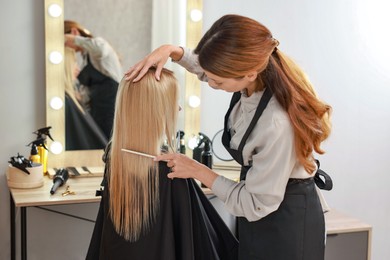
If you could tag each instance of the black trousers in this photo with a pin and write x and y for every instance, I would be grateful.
(296, 231)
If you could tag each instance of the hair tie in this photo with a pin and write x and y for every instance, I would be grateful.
(276, 43)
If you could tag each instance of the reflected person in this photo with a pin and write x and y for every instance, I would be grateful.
(100, 72)
(81, 130)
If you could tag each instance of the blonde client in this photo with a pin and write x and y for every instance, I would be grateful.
(144, 214)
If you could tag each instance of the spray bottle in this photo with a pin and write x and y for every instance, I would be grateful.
(40, 142)
(207, 156)
(165, 147)
(182, 144)
(34, 155)
(197, 152)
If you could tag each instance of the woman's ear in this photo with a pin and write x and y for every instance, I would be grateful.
(252, 75)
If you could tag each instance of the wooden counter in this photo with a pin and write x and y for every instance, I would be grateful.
(347, 237)
(338, 222)
(84, 188)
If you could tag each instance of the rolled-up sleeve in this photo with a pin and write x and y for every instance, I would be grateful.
(190, 62)
(96, 47)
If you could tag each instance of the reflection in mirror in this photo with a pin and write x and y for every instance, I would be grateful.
(125, 25)
(82, 131)
(135, 45)
(98, 46)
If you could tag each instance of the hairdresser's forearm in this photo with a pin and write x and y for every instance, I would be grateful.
(206, 176)
(176, 52)
(190, 62)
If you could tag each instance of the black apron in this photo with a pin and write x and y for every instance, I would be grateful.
(81, 130)
(296, 230)
(103, 91)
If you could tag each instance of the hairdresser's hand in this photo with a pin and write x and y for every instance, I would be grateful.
(157, 59)
(69, 41)
(184, 167)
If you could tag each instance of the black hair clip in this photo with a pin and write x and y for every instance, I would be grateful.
(21, 163)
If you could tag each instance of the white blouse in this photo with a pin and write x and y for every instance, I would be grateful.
(269, 149)
(102, 56)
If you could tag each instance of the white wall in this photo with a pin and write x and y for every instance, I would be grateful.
(124, 24)
(343, 47)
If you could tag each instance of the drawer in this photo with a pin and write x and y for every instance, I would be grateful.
(347, 246)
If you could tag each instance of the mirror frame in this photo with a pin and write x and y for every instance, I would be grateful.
(54, 41)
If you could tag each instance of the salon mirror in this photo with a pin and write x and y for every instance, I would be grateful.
(132, 39)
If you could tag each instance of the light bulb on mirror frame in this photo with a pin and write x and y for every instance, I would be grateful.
(56, 103)
(192, 142)
(194, 101)
(54, 10)
(196, 15)
(56, 147)
(55, 57)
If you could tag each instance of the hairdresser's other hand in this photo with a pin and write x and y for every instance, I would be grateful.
(157, 59)
(69, 41)
(183, 167)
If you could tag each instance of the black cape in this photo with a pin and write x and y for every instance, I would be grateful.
(187, 228)
(81, 131)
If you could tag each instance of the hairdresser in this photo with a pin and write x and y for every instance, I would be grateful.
(273, 125)
(100, 73)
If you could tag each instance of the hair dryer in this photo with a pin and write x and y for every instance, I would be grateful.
(59, 179)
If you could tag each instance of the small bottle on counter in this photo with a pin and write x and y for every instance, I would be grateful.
(182, 146)
(34, 155)
(207, 157)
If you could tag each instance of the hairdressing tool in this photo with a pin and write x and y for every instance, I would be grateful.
(68, 192)
(43, 132)
(40, 142)
(182, 146)
(59, 179)
(21, 163)
(34, 156)
(198, 150)
(138, 153)
(206, 155)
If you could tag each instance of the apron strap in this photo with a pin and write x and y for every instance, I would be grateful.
(259, 111)
(235, 98)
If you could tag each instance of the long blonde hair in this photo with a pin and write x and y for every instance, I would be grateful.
(70, 66)
(145, 114)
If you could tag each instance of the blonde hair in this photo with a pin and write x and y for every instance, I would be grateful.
(145, 114)
(70, 66)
